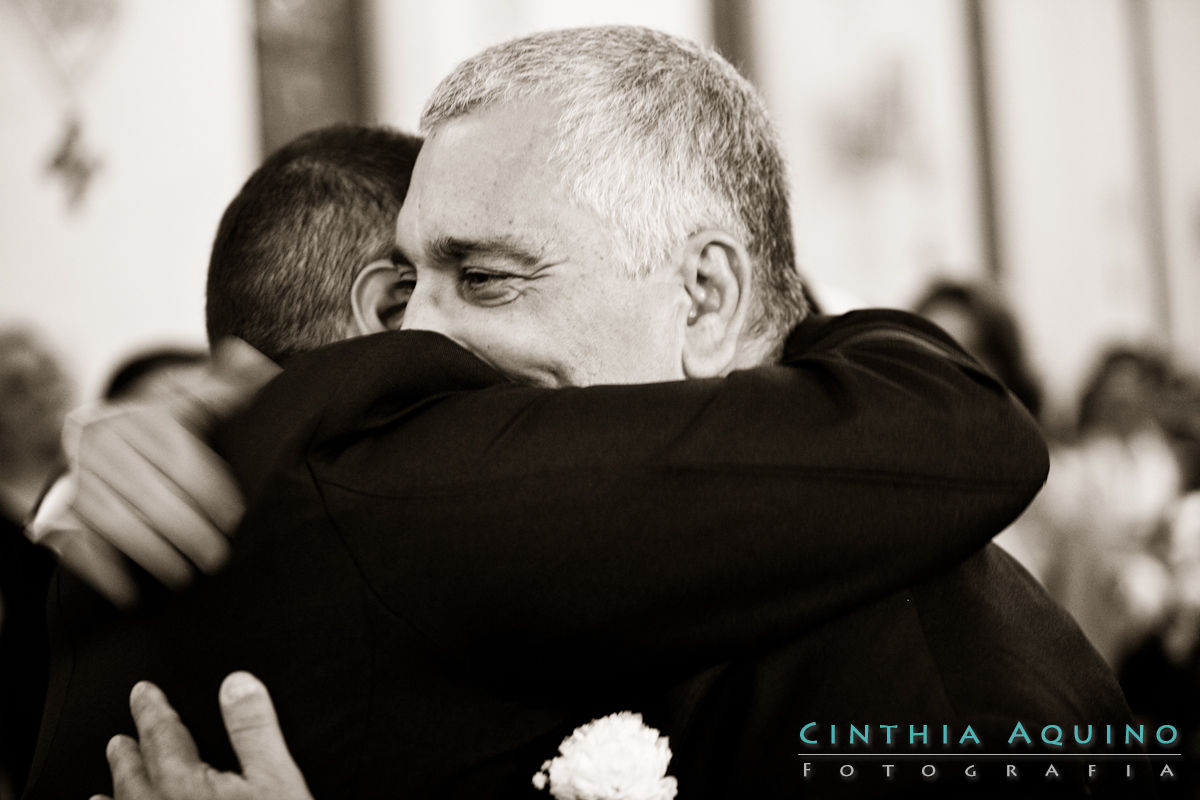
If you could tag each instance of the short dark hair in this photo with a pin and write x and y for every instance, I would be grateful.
(1150, 366)
(998, 342)
(289, 245)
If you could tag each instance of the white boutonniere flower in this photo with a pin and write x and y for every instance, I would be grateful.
(613, 758)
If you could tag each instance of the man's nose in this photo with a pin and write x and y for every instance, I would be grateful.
(425, 309)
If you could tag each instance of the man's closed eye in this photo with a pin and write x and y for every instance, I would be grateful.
(488, 287)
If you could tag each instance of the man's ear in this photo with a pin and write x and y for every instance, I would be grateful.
(378, 297)
(716, 271)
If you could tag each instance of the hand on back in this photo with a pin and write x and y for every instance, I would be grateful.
(144, 486)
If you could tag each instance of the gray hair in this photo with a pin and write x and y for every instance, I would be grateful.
(660, 136)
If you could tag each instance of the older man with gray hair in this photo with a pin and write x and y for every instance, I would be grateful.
(608, 206)
(612, 203)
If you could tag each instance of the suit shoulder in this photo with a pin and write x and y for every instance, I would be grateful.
(1006, 650)
(832, 332)
(342, 388)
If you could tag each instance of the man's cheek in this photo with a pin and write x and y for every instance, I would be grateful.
(546, 365)
(518, 358)
(529, 341)
(531, 369)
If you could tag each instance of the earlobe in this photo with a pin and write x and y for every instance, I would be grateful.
(377, 298)
(716, 270)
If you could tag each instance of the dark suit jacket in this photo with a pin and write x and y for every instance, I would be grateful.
(442, 573)
(980, 645)
(25, 572)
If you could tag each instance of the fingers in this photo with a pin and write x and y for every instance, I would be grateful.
(149, 486)
(168, 752)
(166, 763)
(146, 483)
(172, 478)
(255, 735)
(131, 781)
(113, 518)
(192, 468)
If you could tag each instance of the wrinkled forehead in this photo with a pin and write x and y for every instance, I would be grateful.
(485, 174)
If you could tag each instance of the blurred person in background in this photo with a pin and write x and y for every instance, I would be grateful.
(1161, 674)
(1115, 534)
(1113, 479)
(1125, 392)
(1113, 482)
(1179, 415)
(977, 317)
(35, 395)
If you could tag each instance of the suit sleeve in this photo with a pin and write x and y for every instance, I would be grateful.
(615, 526)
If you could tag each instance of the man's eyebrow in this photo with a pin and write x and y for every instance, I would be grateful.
(450, 248)
(398, 257)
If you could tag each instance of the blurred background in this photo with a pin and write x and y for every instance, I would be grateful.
(1025, 172)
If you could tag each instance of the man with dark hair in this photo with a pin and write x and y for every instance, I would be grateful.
(298, 234)
(300, 259)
